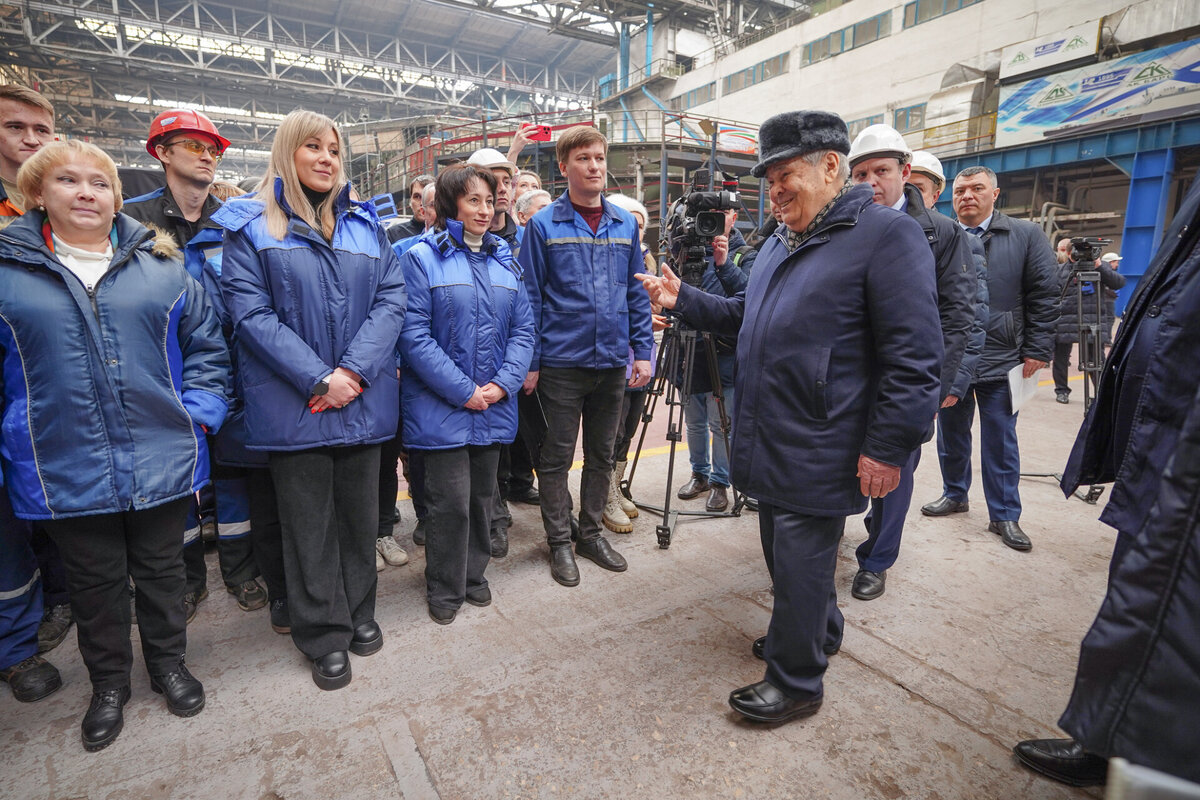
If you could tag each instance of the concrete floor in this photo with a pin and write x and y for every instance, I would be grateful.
(617, 688)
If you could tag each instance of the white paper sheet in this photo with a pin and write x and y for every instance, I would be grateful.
(1021, 388)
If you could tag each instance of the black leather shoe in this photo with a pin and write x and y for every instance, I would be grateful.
(944, 506)
(718, 498)
(762, 702)
(332, 670)
(697, 486)
(601, 552)
(528, 496)
(499, 542)
(1062, 397)
(868, 585)
(751, 504)
(1011, 533)
(191, 602)
(1064, 760)
(418, 534)
(185, 694)
(281, 620)
(480, 597)
(32, 679)
(760, 646)
(442, 616)
(367, 639)
(562, 565)
(104, 718)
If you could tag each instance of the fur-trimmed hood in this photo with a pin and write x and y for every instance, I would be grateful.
(25, 234)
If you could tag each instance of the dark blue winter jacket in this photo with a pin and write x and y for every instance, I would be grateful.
(158, 209)
(104, 395)
(302, 306)
(839, 354)
(468, 324)
(977, 337)
(588, 307)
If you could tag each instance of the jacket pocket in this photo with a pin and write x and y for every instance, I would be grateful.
(821, 402)
(1001, 330)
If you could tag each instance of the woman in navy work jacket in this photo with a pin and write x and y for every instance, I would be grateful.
(466, 345)
(113, 366)
(316, 298)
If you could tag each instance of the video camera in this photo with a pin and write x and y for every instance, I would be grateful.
(1085, 250)
(695, 220)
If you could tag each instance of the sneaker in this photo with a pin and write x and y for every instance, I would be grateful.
(250, 596)
(56, 622)
(192, 600)
(281, 620)
(387, 548)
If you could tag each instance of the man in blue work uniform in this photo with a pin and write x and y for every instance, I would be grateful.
(580, 256)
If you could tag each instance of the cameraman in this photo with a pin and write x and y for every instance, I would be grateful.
(724, 279)
(1072, 315)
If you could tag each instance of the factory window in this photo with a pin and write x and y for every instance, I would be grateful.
(919, 11)
(848, 38)
(908, 119)
(695, 97)
(760, 72)
(856, 126)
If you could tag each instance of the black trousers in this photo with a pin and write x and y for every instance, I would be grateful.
(801, 554)
(1061, 365)
(266, 533)
(100, 553)
(632, 405)
(328, 512)
(389, 485)
(50, 564)
(461, 494)
(235, 557)
(568, 396)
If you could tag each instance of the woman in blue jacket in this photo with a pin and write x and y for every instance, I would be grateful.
(467, 343)
(316, 297)
(112, 368)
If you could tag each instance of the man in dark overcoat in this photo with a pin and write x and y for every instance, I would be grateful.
(1137, 687)
(837, 379)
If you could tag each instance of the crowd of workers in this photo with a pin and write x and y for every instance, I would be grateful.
(287, 350)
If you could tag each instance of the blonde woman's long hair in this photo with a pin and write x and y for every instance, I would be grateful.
(297, 128)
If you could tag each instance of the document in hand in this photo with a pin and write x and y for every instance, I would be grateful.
(1021, 388)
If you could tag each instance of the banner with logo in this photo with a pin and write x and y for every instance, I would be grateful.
(1078, 41)
(1163, 78)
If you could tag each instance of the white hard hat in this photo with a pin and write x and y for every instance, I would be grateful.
(1108, 258)
(629, 204)
(879, 141)
(489, 158)
(924, 161)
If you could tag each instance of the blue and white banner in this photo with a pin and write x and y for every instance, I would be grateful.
(1164, 78)
(1076, 42)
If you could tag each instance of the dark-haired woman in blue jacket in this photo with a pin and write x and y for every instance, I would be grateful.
(467, 343)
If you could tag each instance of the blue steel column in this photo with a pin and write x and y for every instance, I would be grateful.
(1145, 215)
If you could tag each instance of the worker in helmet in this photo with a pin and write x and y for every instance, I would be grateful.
(927, 176)
(880, 158)
(189, 148)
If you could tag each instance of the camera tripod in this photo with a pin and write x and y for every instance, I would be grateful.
(676, 360)
(1091, 354)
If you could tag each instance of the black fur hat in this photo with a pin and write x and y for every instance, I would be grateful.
(794, 133)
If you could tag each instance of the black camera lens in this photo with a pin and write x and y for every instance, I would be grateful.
(710, 223)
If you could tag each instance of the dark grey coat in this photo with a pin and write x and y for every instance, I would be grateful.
(1023, 293)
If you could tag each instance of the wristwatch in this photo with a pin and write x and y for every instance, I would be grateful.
(321, 387)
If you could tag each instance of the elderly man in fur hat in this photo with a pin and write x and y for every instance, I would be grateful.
(839, 354)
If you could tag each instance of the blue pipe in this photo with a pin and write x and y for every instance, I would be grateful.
(662, 107)
(623, 55)
(629, 120)
(649, 38)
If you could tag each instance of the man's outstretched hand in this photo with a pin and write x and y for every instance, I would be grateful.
(663, 291)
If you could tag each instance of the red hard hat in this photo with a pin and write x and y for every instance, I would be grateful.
(181, 121)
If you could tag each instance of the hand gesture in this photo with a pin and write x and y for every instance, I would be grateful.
(493, 394)
(476, 401)
(641, 374)
(720, 248)
(529, 386)
(1032, 365)
(876, 479)
(344, 386)
(663, 291)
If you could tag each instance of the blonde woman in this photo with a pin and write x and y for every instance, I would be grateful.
(316, 298)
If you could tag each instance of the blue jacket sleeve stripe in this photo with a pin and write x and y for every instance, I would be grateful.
(24, 461)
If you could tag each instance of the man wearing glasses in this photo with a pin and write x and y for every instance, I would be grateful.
(189, 148)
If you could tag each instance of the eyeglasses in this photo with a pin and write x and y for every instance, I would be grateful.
(196, 148)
